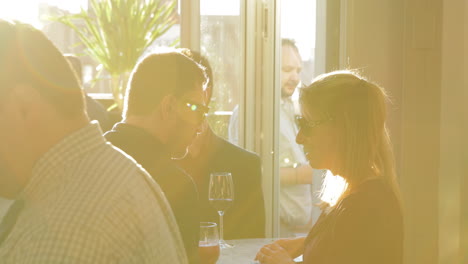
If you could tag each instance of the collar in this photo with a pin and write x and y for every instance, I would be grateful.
(138, 143)
(285, 100)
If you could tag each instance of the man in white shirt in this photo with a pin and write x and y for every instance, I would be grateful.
(299, 182)
(77, 198)
(297, 197)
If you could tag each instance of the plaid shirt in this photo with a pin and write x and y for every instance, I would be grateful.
(87, 202)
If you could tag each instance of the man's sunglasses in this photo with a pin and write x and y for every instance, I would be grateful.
(197, 108)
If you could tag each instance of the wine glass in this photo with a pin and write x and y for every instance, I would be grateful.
(208, 245)
(221, 196)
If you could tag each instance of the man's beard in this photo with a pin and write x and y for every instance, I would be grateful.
(285, 94)
(285, 91)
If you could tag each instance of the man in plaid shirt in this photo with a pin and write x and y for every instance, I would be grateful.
(77, 198)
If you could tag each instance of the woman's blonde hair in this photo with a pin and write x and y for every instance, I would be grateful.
(358, 111)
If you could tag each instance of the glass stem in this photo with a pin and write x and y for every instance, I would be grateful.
(221, 225)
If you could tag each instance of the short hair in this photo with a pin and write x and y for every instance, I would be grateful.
(203, 61)
(159, 75)
(289, 42)
(28, 57)
(76, 65)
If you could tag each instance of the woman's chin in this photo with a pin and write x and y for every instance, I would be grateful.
(312, 164)
(316, 165)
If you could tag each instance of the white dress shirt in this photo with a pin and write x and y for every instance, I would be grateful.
(296, 201)
(88, 202)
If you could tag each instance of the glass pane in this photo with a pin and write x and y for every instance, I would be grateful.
(95, 79)
(36, 10)
(221, 43)
(299, 183)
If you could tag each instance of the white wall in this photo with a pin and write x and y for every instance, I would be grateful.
(464, 185)
(451, 136)
(414, 48)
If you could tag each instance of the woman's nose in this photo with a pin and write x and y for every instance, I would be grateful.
(300, 137)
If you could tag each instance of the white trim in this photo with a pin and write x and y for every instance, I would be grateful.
(451, 124)
(320, 37)
(346, 18)
(190, 24)
(267, 110)
(101, 96)
(247, 122)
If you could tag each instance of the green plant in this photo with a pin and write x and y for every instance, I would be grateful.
(115, 33)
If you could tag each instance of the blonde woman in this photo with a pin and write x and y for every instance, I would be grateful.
(343, 130)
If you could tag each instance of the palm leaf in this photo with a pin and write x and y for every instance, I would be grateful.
(115, 33)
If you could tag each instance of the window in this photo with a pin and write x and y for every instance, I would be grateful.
(299, 183)
(221, 41)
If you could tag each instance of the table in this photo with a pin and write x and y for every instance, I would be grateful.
(244, 251)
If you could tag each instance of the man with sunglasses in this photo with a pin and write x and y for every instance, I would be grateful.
(163, 110)
(210, 153)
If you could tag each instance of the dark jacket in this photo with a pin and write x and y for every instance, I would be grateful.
(178, 187)
(97, 112)
(246, 217)
(366, 227)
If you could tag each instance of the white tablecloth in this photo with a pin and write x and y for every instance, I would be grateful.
(243, 252)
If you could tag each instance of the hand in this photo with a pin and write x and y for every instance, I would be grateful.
(294, 246)
(273, 254)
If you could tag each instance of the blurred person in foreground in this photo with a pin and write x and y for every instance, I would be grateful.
(343, 130)
(211, 153)
(163, 110)
(77, 198)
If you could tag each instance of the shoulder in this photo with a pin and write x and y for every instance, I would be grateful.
(374, 193)
(101, 181)
(228, 150)
(373, 207)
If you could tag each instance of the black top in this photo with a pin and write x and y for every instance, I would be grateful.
(178, 187)
(366, 228)
(246, 217)
(97, 112)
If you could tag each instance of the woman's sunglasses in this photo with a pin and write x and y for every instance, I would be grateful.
(306, 126)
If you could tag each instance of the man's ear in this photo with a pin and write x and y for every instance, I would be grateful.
(26, 99)
(168, 107)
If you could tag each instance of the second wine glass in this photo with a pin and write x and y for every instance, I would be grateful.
(221, 197)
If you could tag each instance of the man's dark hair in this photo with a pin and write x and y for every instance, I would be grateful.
(203, 61)
(76, 65)
(28, 57)
(159, 75)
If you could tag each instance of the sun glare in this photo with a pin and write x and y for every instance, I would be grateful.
(220, 7)
(333, 187)
(28, 11)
